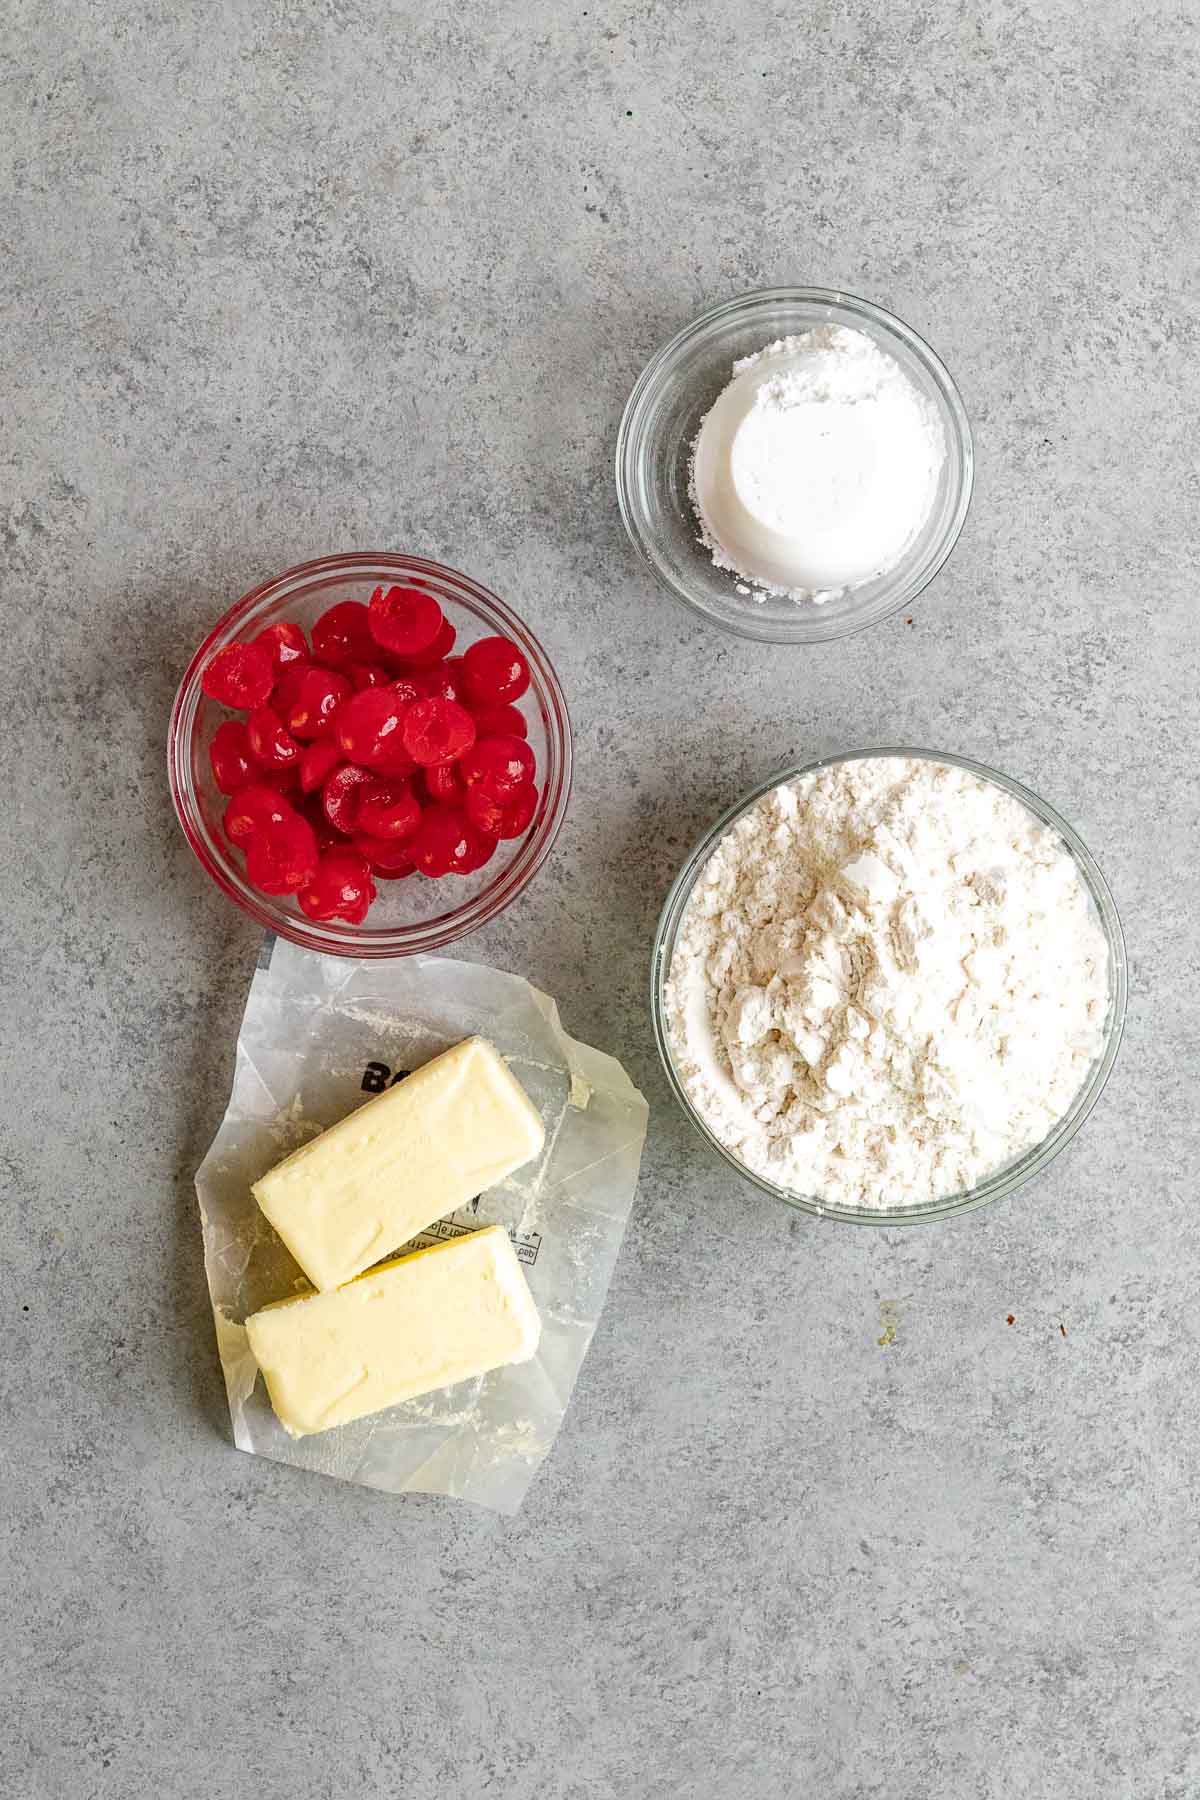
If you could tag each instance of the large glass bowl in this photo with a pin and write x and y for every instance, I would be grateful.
(654, 447)
(1012, 1175)
(409, 915)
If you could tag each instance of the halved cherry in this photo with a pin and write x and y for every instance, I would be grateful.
(495, 671)
(272, 744)
(340, 887)
(231, 758)
(369, 674)
(476, 849)
(440, 648)
(255, 808)
(285, 642)
(437, 730)
(502, 818)
(241, 675)
(451, 838)
(368, 726)
(320, 759)
(499, 721)
(499, 765)
(342, 793)
(387, 809)
(386, 856)
(342, 635)
(283, 858)
(443, 782)
(440, 840)
(405, 620)
(407, 689)
(315, 697)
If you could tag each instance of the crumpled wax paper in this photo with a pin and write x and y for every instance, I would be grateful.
(319, 1036)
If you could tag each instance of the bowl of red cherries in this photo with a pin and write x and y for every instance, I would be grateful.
(371, 755)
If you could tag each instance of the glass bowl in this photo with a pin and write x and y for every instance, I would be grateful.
(413, 914)
(654, 446)
(1005, 1179)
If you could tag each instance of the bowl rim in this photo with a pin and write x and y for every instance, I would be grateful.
(854, 310)
(1012, 1175)
(335, 937)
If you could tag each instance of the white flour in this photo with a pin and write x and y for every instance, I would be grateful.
(889, 982)
(817, 466)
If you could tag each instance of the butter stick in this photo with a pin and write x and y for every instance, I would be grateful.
(411, 1155)
(421, 1322)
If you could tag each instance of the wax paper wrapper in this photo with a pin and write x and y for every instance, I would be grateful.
(320, 1035)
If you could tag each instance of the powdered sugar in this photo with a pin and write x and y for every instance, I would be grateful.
(888, 983)
(817, 466)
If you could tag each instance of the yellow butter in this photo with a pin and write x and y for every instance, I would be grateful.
(421, 1322)
(413, 1154)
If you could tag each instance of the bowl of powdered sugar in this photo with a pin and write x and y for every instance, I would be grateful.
(795, 465)
(889, 986)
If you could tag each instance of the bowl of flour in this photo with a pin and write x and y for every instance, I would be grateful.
(795, 465)
(889, 986)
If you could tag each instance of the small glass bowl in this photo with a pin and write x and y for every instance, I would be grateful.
(1013, 1175)
(654, 447)
(413, 914)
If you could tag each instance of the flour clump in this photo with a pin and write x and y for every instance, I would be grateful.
(889, 982)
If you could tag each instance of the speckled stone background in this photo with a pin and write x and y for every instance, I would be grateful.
(283, 278)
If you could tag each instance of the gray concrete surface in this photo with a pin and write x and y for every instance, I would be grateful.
(283, 278)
